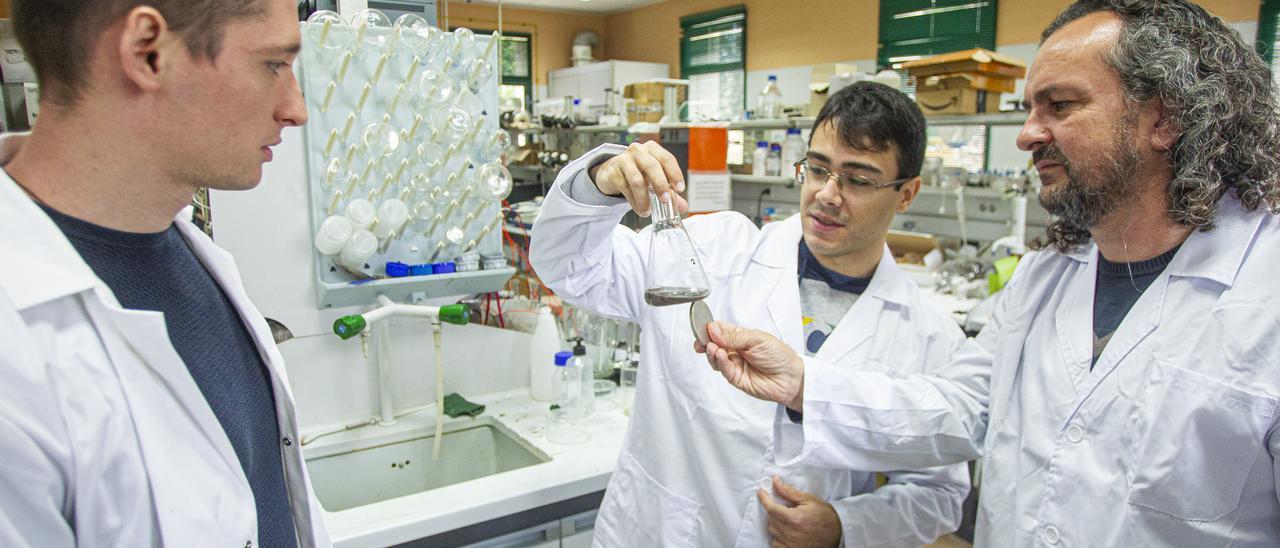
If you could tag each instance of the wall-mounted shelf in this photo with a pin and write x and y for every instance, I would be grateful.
(412, 288)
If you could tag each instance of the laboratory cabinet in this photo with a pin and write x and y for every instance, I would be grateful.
(588, 82)
(566, 524)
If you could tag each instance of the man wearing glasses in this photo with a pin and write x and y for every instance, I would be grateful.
(697, 468)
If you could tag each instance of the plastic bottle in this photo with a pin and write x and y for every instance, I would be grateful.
(564, 421)
(542, 352)
(773, 165)
(586, 378)
(793, 149)
(759, 158)
(769, 103)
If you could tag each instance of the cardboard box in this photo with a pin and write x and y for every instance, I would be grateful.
(978, 61)
(648, 100)
(957, 101)
(967, 80)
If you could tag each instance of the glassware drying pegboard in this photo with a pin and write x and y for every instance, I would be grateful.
(403, 158)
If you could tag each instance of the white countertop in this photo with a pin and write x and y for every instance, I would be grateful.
(573, 471)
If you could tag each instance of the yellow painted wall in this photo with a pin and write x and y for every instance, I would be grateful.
(552, 32)
(806, 32)
(1021, 21)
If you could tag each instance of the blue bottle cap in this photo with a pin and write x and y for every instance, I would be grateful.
(562, 358)
(444, 268)
(793, 131)
(762, 144)
(397, 269)
(775, 146)
(420, 270)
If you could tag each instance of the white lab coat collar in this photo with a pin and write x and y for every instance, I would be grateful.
(43, 264)
(1217, 255)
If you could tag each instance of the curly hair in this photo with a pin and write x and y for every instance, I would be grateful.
(1219, 94)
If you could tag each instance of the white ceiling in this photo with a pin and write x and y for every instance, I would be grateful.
(599, 7)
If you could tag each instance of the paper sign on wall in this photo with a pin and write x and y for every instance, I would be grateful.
(709, 192)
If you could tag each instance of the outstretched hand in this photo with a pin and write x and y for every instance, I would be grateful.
(755, 362)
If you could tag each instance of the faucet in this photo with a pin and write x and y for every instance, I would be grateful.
(354, 324)
(351, 325)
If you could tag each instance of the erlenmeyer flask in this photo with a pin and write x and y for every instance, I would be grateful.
(674, 273)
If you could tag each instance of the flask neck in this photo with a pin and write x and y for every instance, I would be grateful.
(664, 213)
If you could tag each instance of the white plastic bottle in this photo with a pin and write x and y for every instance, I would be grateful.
(542, 353)
(773, 165)
(769, 103)
(586, 378)
(793, 149)
(759, 157)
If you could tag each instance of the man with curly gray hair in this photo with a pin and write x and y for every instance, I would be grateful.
(1125, 392)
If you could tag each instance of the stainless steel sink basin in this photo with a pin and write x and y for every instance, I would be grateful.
(352, 474)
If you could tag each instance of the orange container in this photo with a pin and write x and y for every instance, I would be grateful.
(708, 148)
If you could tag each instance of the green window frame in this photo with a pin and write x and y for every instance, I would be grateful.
(1268, 17)
(912, 29)
(713, 57)
(517, 68)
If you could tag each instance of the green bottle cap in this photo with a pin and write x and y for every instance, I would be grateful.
(348, 326)
(459, 314)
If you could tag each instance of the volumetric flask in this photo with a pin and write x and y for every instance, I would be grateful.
(674, 273)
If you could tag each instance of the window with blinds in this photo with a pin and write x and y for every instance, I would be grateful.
(713, 57)
(515, 57)
(913, 29)
(1269, 35)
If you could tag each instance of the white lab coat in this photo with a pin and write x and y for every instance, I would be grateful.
(696, 450)
(106, 439)
(1170, 440)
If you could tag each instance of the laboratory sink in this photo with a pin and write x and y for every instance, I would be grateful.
(383, 467)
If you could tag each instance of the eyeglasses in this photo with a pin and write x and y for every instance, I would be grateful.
(817, 176)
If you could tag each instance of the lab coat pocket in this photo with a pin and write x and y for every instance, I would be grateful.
(639, 511)
(1203, 438)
